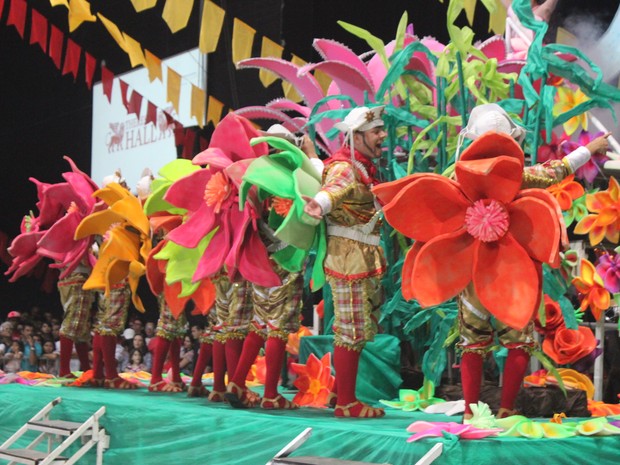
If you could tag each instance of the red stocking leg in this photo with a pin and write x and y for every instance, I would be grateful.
(219, 369)
(160, 349)
(251, 347)
(112, 380)
(275, 351)
(66, 348)
(175, 360)
(204, 357)
(82, 351)
(97, 358)
(233, 349)
(514, 370)
(471, 378)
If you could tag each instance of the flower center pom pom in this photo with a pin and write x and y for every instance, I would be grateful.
(216, 191)
(487, 220)
(72, 207)
(281, 206)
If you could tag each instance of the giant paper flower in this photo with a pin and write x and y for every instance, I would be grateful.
(567, 346)
(604, 220)
(126, 241)
(608, 268)
(591, 168)
(592, 289)
(211, 198)
(481, 228)
(315, 381)
(566, 99)
(552, 150)
(566, 191)
(577, 211)
(425, 429)
(553, 317)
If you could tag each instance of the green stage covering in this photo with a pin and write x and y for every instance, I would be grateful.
(160, 429)
(379, 370)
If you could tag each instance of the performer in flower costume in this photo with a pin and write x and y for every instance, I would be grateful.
(483, 237)
(355, 262)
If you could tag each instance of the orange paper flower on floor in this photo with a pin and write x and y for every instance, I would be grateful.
(481, 228)
(600, 409)
(292, 345)
(604, 220)
(258, 372)
(315, 381)
(590, 285)
(566, 191)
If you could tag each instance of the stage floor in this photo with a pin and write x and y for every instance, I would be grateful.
(153, 429)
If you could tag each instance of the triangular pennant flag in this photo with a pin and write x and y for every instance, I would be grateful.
(134, 50)
(197, 107)
(214, 110)
(179, 134)
(135, 104)
(151, 113)
(176, 13)
(38, 29)
(188, 145)
(124, 91)
(243, 37)
(72, 59)
(153, 64)
(497, 18)
(203, 143)
(269, 49)
(116, 34)
(141, 5)
(17, 16)
(173, 88)
(210, 26)
(55, 51)
(107, 81)
(90, 65)
(323, 79)
(289, 91)
(169, 119)
(1, 7)
(79, 11)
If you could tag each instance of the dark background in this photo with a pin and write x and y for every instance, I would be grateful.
(46, 115)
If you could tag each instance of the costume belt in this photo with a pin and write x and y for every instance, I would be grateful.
(353, 234)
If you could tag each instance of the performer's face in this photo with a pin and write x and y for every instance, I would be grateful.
(369, 142)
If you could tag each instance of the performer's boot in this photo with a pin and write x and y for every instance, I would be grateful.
(196, 388)
(175, 362)
(219, 372)
(82, 352)
(275, 352)
(97, 380)
(471, 378)
(112, 380)
(66, 349)
(237, 393)
(514, 371)
(161, 346)
(346, 363)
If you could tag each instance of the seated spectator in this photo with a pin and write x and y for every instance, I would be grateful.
(149, 333)
(123, 346)
(32, 349)
(138, 326)
(187, 356)
(137, 362)
(138, 343)
(13, 357)
(14, 318)
(46, 332)
(49, 360)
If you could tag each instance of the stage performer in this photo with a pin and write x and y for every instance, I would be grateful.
(205, 356)
(355, 261)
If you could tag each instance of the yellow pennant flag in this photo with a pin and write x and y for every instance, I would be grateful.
(153, 64)
(176, 13)
(134, 50)
(60, 3)
(497, 18)
(470, 8)
(214, 110)
(269, 49)
(198, 103)
(289, 91)
(79, 11)
(210, 27)
(116, 34)
(323, 79)
(141, 5)
(243, 37)
(174, 88)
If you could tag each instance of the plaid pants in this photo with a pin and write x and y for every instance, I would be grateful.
(168, 326)
(78, 307)
(112, 311)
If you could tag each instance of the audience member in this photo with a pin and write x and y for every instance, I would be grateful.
(13, 358)
(49, 360)
(136, 363)
(32, 349)
(187, 356)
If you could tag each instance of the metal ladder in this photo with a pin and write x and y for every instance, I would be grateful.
(90, 433)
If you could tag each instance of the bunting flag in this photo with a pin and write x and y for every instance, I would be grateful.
(90, 65)
(38, 29)
(497, 19)
(214, 110)
(242, 39)
(153, 65)
(134, 50)
(176, 14)
(179, 133)
(124, 91)
(114, 31)
(1, 7)
(173, 88)
(323, 79)
(188, 145)
(17, 16)
(141, 5)
(55, 50)
(79, 11)
(135, 104)
(73, 53)
(289, 91)
(151, 113)
(197, 108)
(269, 49)
(203, 143)
(107, 81)
(210, 26)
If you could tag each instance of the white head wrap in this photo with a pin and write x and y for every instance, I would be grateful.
(360, 119)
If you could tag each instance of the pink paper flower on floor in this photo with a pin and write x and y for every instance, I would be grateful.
(425, 429)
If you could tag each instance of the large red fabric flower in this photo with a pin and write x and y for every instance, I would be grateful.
(569, 345)
(553, 317)
(483, 228)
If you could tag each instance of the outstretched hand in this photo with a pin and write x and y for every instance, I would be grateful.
(312, 208)
(599, 145)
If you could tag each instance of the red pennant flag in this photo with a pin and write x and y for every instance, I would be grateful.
(204, 143)
(17, 16)
(188, 144)
(151, 114)
(90, 64)
(38, 29)
(73, 53)
(169, 120)
(135, 104)
(124, 89)
(107, 80)
(1, 7)
(55, 51)
(179, 134)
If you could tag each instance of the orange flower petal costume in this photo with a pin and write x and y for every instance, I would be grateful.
(481, 228)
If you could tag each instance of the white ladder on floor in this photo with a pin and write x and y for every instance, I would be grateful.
(90, 433)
